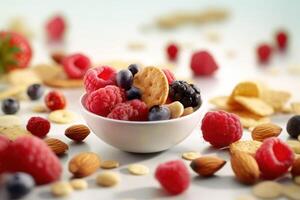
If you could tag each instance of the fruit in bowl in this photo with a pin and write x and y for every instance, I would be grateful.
(139, 112)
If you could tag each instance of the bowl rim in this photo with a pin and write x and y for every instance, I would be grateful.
(134, 122)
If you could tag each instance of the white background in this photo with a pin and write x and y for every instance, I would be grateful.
(102, 30)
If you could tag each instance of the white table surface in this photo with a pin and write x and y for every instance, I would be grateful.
(102, 29)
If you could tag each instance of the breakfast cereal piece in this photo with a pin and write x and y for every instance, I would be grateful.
(13, 132)
(187, 111)
(61, 116)
(191, 155)
(176, 109)
(153, 85)
(249, 120)
(296, 107)
(48, 72)
(23, 77)
(138, 169)
(9, 121)
(267, 189)
(59, 82)
(276, 98)
(108, 179)
(247, 146)
(221, 102)
(61, 189)
(79, 184)
(291, 191)
(12, 91)
(109, 164)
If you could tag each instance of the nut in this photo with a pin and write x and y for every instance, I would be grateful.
(297, 180)
(207, 165)
(77, 132)
(138, 169)
(61, 189)
(108, 179)
(295, 145)
(56, 145)
(191, 155)
(296, 168)
(244, 167)
(58, 56)
(176, 109)
(291, 191)
(267, 190)
(79, 184)
(109, 164)
(265, 131)
(84, 164)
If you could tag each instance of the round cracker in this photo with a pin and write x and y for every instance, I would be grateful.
(153, 84)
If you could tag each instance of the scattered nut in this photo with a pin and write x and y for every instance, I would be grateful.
(109, 164)
(77, 132)
(207, 165)
(39, 108)
(56, 145)
(61, 116)
(265, 131)
(61, 189)
(267, 189)
(138, 169)
(247, 146)
(191, 155)
(291, 191)
(108, 179)
(176, 109)
(187, 111)
(79, 184)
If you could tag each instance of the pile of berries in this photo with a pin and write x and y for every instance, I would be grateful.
(113, 94)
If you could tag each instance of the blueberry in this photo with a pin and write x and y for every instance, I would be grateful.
(293, 126)
(159, 113)
(124, 79)
(35, 91)
(134, 68)
(133, 93)
(18, 185)
(10, 106)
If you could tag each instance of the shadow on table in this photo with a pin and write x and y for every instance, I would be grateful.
(144, 193)
(224, 182)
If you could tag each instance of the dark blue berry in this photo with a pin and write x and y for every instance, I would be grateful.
(35, 91)
(124, 79)
(134, 68)
(159, 113)
(10, 106)
(293, 126)
(19, 184)
(133, 93)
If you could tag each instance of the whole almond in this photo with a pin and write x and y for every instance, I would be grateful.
(84, 164)
(56, 145)
(77, 132)
(265, 131)
(58, 57)
(296, 168)
(244, 167)
(207, 165)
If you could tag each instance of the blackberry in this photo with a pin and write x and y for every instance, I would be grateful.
(187, 94)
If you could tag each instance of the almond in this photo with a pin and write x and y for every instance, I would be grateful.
(296, 168)
(207, 165)
(265, 131)
(77, 132)
(84, 164)
(244, 167)
(56, 145)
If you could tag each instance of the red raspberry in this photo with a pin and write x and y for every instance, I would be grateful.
(282, 40)
(173, 176)
(264, 52)
(172, 52)
(99, 77)
(274, 158)
(170, 76)
(31, 155)
(220, 128)
(103, 100)
(4, 142)
(134, 110)
(55, 28)
(38, 126)
(55, 100)
(203, 64)
(76, 65)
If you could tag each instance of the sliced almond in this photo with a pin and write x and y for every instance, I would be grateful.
(108, 179)
(138, 169)
(207, 165)
(61, 189)
(84, 164)
(79, 184)
(245, 167)
(267, 189)
(77, 132)
(291, 191)
(264, 131)
(191, 155)
(109, 164)
(57, 146)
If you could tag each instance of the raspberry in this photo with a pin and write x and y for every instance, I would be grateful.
(134, 110)
(220, 128)
(55, 100)
(274, 158)
(203, 64)
(173, 176)
(103, 100)
(76, 65)
(31, 155)
(55, 28)
(99, 77)
(282, 40)
(264, 52)
(170, 76)
(38, 126)
(172, 52)
(4, 142)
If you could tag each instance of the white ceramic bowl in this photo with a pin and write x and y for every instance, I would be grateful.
(141, 137)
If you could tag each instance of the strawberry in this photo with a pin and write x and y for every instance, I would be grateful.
(15, 51)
